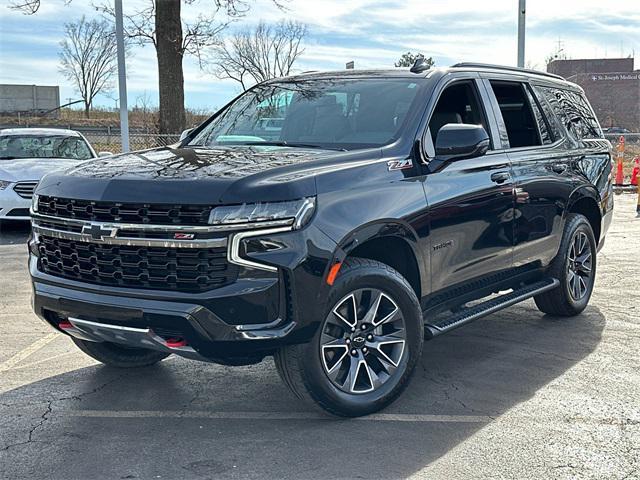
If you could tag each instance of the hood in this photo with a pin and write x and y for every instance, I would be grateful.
(25, 169)
(221, 175)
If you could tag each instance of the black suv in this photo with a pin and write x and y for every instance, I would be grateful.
(334, 221)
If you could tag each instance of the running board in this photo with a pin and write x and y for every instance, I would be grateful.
(469, 314)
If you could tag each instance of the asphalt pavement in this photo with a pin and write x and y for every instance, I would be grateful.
(515, 395)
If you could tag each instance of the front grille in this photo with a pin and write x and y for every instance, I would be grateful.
(181, 269)
(155, 214)
(25, 189)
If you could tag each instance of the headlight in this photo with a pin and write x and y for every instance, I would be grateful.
(4, 184)
(295, 213)
(34, 203)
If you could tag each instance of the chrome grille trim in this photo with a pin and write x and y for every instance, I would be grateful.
(163, 228)
(25, 189)
(139, 242)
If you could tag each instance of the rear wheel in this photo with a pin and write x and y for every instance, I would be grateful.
(364, 353)
(575, 267)
(119, 356)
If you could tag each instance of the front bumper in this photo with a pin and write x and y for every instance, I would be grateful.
(236, 324)
(13, 206)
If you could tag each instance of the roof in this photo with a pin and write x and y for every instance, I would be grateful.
(39, 132)
(406, 73)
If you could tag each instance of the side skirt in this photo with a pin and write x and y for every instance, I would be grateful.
(474, 312)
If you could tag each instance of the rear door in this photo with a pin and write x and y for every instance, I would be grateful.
(540, 163)
(470, 201)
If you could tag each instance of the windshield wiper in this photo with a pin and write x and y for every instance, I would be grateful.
(282, 143)
(8, 158)
(271, 144)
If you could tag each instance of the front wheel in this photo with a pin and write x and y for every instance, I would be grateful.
(365, 351)
(575, 267)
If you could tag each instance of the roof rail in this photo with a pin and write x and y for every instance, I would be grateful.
(503, 67)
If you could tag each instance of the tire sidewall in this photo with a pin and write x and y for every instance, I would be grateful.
(582, 225)
(315, 379)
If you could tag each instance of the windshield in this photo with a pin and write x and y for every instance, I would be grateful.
(334, 114)
(45, 146)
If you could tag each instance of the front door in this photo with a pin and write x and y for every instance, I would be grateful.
(471, 201)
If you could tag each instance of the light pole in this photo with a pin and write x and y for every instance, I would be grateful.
(522, 12)
(122, 78)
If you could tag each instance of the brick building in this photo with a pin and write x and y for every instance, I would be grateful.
(612, 86)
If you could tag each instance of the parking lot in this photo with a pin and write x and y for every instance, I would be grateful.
(517, 395)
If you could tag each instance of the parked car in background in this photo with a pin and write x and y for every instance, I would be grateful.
(26, 154)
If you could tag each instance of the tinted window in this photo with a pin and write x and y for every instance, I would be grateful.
(49, 146)
(335, 113)
(517, 114)
(458, 103)
(574, 112)
(541, 121)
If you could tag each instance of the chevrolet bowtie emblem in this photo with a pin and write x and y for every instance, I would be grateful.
(97, 232)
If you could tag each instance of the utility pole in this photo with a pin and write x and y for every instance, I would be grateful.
(122, 78)
(522, 12)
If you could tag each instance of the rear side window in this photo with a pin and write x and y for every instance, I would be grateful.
(574, 112)
(544, 128)
(517, 114)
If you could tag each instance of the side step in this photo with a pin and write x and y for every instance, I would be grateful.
(469, 314)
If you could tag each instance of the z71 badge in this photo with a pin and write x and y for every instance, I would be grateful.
(400, 164)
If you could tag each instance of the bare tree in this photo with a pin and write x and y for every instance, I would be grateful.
(160, 24)
(259, 54)
(88, 57)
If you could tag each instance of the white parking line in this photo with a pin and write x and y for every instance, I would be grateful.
(22, 354)
(379, 417)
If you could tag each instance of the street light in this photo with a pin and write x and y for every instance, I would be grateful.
(122, 78)
(522, 12)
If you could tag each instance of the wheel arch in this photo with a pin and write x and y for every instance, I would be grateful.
(391, 242)
(586, 201)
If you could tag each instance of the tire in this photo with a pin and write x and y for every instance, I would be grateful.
(117, 356)
(566, 301)
(316, 371)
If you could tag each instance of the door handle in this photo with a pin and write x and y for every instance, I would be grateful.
(558, 167)
(500, 177)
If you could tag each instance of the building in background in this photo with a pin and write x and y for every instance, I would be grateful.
(29, 99)
(612, 86)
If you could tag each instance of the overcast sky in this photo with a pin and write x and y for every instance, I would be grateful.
(372, 33)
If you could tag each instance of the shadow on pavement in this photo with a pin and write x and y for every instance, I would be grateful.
(14, 232)
(483, 369)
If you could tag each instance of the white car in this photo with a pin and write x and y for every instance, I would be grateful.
(26, 155)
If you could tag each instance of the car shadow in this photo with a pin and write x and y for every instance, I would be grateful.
(482, 370)
(14, 232)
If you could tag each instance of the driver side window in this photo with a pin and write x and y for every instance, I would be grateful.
(458, 103)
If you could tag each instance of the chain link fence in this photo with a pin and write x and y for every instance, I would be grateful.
(106, 142)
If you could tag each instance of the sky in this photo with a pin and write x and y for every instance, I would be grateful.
(372, 33)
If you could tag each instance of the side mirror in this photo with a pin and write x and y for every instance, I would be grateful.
(457, 141)
(105, 154)
(185, 134)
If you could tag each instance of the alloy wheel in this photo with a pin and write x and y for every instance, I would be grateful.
(363, 341)
(579, 266)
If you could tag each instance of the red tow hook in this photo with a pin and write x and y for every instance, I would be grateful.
(175, 342)
(65, 325)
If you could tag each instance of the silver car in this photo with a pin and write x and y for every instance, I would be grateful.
(26, 155)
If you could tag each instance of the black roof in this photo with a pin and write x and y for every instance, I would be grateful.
(406, 73)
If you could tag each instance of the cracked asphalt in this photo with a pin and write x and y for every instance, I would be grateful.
(515, 395)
